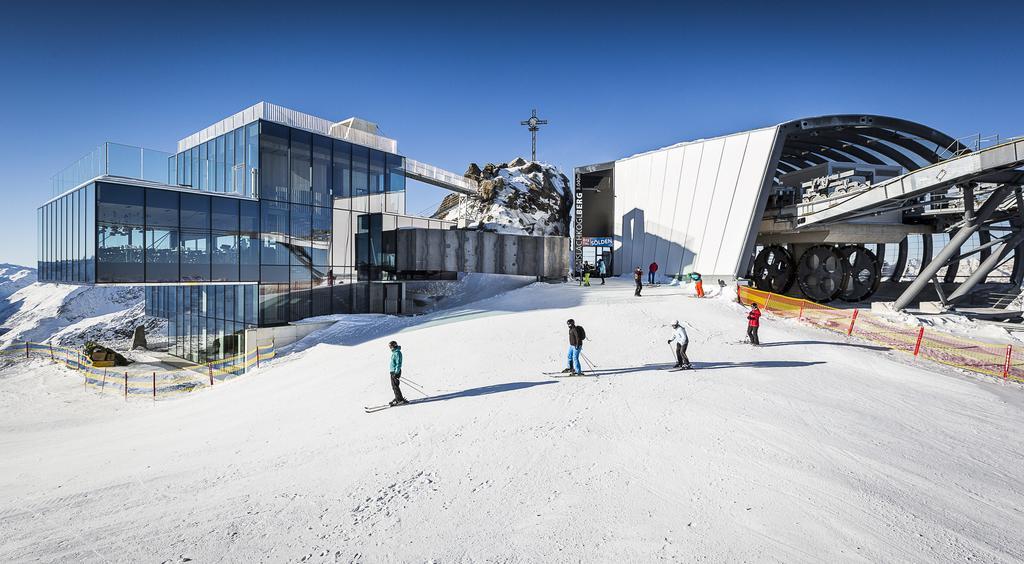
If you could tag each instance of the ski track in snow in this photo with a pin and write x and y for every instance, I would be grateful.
(814, 450)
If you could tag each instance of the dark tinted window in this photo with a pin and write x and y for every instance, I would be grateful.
(274, 162)
(225, 214)
(161, 208)
(195, 211)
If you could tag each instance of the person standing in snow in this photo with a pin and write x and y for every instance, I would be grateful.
(681, 340)
(753, 322)
(698, 283)
(587, 269)
(602, 269)
(651, 271)
(576, 337)
(638, 277)
(396, 373)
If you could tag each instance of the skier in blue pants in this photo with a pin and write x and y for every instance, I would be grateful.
(576, 337)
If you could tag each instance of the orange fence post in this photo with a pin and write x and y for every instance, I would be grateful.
(767, 301)
(26, 349)
(852, 321)
(801, 314)
(51, 352)
(1006, 364)
(917, 346)
(257, 354)
(210, 367)
(126, 386)
(154, 386)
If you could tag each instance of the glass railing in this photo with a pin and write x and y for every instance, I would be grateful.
(113, 159)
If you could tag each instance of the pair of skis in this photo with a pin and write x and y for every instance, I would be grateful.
(376, 408)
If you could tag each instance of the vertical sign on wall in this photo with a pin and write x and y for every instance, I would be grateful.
(577, 239)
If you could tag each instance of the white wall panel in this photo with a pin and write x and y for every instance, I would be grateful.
(691, 206)
(686, 189)
(721, 201)
(741, 215)
(667, 209)
(707, 174)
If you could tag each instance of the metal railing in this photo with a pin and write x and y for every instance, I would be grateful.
(439, 177)
(113, 159)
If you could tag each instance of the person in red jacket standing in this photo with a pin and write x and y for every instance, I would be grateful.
(651, 271)
(753, 322)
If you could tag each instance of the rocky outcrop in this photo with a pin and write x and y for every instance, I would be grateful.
(523, 197)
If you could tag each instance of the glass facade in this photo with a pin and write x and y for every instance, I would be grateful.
(66, 235)
(267, 224)
(205, 323)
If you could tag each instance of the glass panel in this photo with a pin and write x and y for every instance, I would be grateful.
(342, 253)
(300, 167)
(321, 236)
(274, 232)
(240, 172)
(195, 211)
(342, 170)
(252, 158)
(321, 171)
(181, 159)
(161, 208)
(301, 233)
(360, 170)
(376, 172)
(250, 304)
(249, 241)
(194, 174)
(195, 255)
(119, 253)
(220, 170)
(161, 254)
(204, 168)
(90, 233)
(320, 301)
(273, 304)
(120, 204)
(274, 162)
(229, 162)
(225, 214)
(123, 160)
(225, 257)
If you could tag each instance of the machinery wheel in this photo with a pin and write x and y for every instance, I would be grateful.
(773, 270)
(864, 273)
(821, 273)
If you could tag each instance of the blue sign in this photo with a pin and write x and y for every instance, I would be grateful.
(597, 241)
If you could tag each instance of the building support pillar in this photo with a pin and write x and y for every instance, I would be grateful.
(931, 268)
(901, 260)
(988, 265)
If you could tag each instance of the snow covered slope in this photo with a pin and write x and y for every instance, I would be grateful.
(73, 314)
(811, 448)
(522, 197)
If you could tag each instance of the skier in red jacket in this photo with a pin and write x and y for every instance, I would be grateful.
(753, 322)
(652, 270)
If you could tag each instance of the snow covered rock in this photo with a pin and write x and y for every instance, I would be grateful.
(521, 197)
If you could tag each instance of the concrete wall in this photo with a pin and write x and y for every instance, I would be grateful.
(694, 206)
(458, 250)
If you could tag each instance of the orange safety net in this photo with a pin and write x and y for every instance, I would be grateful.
(987, 358)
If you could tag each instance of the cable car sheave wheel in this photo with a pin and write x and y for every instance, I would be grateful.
(864, 273)
(821, 273)
(773, 270)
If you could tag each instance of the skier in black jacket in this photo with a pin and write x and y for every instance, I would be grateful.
(576, 337)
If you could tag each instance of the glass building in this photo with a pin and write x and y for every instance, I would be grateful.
(267, 217)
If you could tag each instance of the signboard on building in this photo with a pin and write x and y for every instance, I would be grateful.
(578, 226)
(596, 242)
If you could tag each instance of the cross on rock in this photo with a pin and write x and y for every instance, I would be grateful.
(534, 124)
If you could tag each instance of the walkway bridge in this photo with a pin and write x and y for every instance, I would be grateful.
(439, 177)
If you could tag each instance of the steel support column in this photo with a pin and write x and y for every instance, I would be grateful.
(901, 261)
(988, 265)
(955, 242)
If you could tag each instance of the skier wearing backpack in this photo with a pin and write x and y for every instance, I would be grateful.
(681, 340)
(576, 337)
(638, 277)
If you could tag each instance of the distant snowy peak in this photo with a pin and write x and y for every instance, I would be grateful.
(522, 197)
(14, 273)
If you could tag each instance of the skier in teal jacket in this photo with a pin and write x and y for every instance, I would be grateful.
(396, 373)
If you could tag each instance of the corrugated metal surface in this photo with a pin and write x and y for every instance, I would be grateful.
(291, 118)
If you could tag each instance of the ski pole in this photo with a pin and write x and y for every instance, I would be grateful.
(416, 389)
(587, 360)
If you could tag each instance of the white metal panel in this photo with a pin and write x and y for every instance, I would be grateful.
(668, 209)
(745, 213)
(721, 201)
(653, 230)
(685, 190)
(625, 211)
(703, 195)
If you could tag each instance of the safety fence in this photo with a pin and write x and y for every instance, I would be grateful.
(131, 382)
(1004, 361)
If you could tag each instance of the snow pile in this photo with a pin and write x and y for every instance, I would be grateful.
(811, 448)
(520, 197)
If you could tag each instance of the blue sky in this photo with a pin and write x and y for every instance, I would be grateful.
(451, 81)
